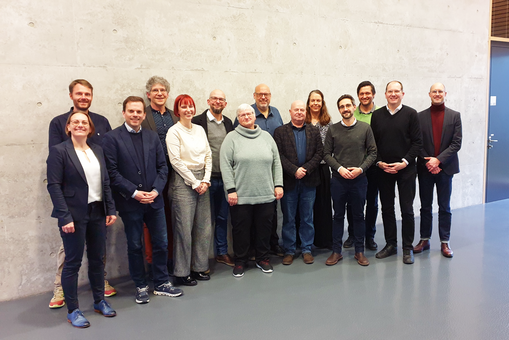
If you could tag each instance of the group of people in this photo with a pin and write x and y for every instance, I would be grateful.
(174, 177)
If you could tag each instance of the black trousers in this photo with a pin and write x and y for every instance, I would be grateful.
(371, 205)
(92, 231)
(322, 211)
(245, 218)
(405, 179)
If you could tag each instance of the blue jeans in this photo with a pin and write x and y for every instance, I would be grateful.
(353, 192)
(156, 223)
(443, 182)
(302, 197)
(219, 205)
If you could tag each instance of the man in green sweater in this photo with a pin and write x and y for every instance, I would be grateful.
(366, 94)
(349, 150)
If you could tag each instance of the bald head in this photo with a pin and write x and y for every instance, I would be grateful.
(217, 102)
(298, 113)
(262, 97)
(437, 93)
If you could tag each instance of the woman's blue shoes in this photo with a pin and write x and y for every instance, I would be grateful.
(104, 308)
(77, 319)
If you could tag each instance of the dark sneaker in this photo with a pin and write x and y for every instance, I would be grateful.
(265, 266)
(167, 289)
(77, 319)
(238, 270)
(348, 243)
(142, 295)
(104, 308)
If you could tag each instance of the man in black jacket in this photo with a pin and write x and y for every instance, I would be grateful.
(300, 150)
(436, 165)
(216, 127)
(160, 119)
(398, 139)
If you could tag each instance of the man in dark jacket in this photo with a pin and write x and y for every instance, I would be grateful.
(300, 150)
(216, 127)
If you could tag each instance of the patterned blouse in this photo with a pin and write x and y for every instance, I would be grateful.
(323, 132)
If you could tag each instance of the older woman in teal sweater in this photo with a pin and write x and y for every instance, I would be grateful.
(253, 179)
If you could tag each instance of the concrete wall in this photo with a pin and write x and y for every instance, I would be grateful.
(294, 46)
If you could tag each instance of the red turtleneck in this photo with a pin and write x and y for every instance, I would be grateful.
(437, 122)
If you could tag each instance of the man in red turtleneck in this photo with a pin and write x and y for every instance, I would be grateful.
(436, 165)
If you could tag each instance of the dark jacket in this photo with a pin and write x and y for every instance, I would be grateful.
(57, 128)
(149, 122)
(202, 121)
(126, 172)
(67, 184)
(450, 142)
(285, 140)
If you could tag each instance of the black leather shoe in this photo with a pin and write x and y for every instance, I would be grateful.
(348, 243)
(186, 281)
(408, 256)
(371, 244)
(200, 276)
(388, 250)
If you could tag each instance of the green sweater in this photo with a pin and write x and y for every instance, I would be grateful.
(250, 165)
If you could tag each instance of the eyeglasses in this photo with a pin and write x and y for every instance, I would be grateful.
(246, 115)
(77, 122)
(214, 99)
(267, 95)
(156, 91)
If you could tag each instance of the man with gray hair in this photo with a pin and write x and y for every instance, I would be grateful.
(159, 119)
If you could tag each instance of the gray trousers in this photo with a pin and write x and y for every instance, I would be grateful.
(192, 227)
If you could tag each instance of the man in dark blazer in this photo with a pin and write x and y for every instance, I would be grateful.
(300, 150)
(436, 165)
(216, 127)
(81, 93)
(160, 119)
(138, 174)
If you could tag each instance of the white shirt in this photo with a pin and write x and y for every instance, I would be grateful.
(92, 170)
(396, 110)
(212, 118)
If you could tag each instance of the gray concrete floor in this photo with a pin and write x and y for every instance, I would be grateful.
(466, 297)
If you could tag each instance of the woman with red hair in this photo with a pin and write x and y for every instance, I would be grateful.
(191, 157)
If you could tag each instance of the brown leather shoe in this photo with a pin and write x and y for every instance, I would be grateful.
(226, 259)
(446, 251)
(361, 259)
(422, 245)
(308, 258)
(288, 259)
(333, 259)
